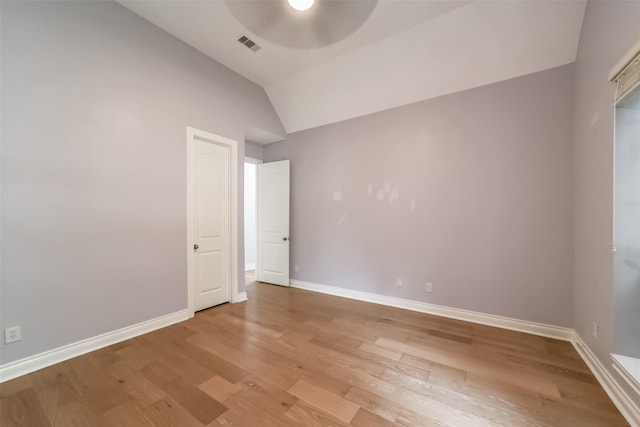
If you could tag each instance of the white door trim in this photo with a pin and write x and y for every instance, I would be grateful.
(256, 162)
(192, 135)
(252, 160)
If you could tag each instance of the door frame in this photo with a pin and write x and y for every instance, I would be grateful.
(256, 162)
(194, 134)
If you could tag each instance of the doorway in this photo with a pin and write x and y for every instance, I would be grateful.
(250, 217)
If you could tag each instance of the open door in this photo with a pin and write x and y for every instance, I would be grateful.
(273, 223)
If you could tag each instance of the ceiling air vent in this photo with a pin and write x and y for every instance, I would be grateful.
(249, 43)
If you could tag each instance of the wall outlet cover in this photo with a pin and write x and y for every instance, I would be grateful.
(12, 334)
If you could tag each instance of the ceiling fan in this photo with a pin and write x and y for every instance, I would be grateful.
(302, 24)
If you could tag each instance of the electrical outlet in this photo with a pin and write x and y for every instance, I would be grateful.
(595, 330)
(12, 334)
(296, 268)
(399, 283)
(429, 287)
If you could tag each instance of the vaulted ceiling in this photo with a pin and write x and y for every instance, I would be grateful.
(403, 52)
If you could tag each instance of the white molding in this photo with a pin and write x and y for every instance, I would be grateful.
(190, 297)
(234, 217)
(620, 398)
(192, 134)
(255, 162)
(239, 297)
(29, 364)
(534, 328)
(252, 160)
(624, 60)
(629, 369)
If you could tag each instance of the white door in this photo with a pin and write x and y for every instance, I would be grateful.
(210, 211)
(273, 223)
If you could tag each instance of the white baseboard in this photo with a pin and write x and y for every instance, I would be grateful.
(617, 394)
(29, 364)
(620, 398)
(240, 297)
(629, 369)
(541, 329)
(249, 267)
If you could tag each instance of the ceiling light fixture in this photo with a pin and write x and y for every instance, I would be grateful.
(325, 22)
(301, 5)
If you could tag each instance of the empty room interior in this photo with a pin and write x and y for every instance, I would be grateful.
(320, 213)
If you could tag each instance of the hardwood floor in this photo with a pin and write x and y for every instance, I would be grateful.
(289, 357)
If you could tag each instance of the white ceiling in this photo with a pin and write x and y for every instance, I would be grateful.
(407, 51)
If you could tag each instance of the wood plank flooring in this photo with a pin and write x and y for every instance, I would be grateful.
(289, 357)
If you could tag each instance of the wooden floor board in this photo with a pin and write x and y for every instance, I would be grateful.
(168, 413)
(365, 418)
(23, 409)
(306, 415)
(289, 357)
(219, 388)
(322, 399)
(198, 403)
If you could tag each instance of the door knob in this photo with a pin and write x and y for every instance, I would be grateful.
(285, 239)
(196, 247)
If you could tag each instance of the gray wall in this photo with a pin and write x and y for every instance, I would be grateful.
(470, 191)
(609, 30)
(253, 150)
(95, 106)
